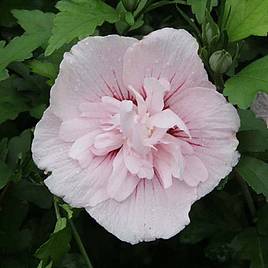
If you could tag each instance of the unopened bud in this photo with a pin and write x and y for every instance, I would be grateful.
(211, 33)
(130, 5)
(220, 61)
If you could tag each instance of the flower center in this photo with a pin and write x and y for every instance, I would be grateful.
(135, 128)
(145, 124)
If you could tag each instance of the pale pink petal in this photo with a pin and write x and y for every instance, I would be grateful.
(118, 176)
(211, 110)
(167, 53)
(73, 129)
(97, 110)
(151, 212)
(81, 188)
(195, 171)
(51, 153)
(146, 171)
(155, 90)
(48, 150)
(111, 101)
(82, 144)
(126, 117)
(169, 163)
(142, 107)
(91, 70)
(108, 141)
(168, 119)
(127, 188)
(163, 171)
(132, 160)
(212, 124)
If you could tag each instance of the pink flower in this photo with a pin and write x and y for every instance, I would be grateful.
(136, 133)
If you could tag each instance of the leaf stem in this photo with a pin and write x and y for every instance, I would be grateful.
(56, 207)
(75, 234)
(80, 244)
(247, 196)
(163, 3)
(219, 82)
(189, 20)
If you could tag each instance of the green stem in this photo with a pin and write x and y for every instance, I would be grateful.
(218, 79)
(247, 196)
(163, 3)
(149, 7)
(56, 208)
(75, 234)
(191, 23)
(80, 244)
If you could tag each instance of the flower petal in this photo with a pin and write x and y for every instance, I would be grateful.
(167, 53)
(168, 119)
(155, 90)
(83, 187)
(83, 144)
(213, 123)
(48, 150)
(151, 212)
(91, 70)
(70, 130)
(195, 171)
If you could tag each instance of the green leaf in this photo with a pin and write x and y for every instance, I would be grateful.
(246, 17)
(18, 147)
(3, 149)
(3, 74)
(242, 88)
(38, 110)
(199, 8)
(12, 237)
(46, 69)
(11, 102)
(213, 216)
(252, 247)
(37, 26)
(78, 19)
(35, 22)
(253, 140)
(43, 265)
(33, 192)
(130, 18)
(5, 174)
(57, 245)
(262, 221)
(68, 209)
(253, 133)
(249, 121)
(254, 172)
(73, 261)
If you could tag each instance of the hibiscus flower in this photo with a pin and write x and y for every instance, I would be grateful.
(135, 133)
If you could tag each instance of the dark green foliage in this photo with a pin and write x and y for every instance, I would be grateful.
(229, 227)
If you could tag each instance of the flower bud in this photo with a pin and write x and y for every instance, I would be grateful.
(130, 5)
(220, 61)
(211, 33)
